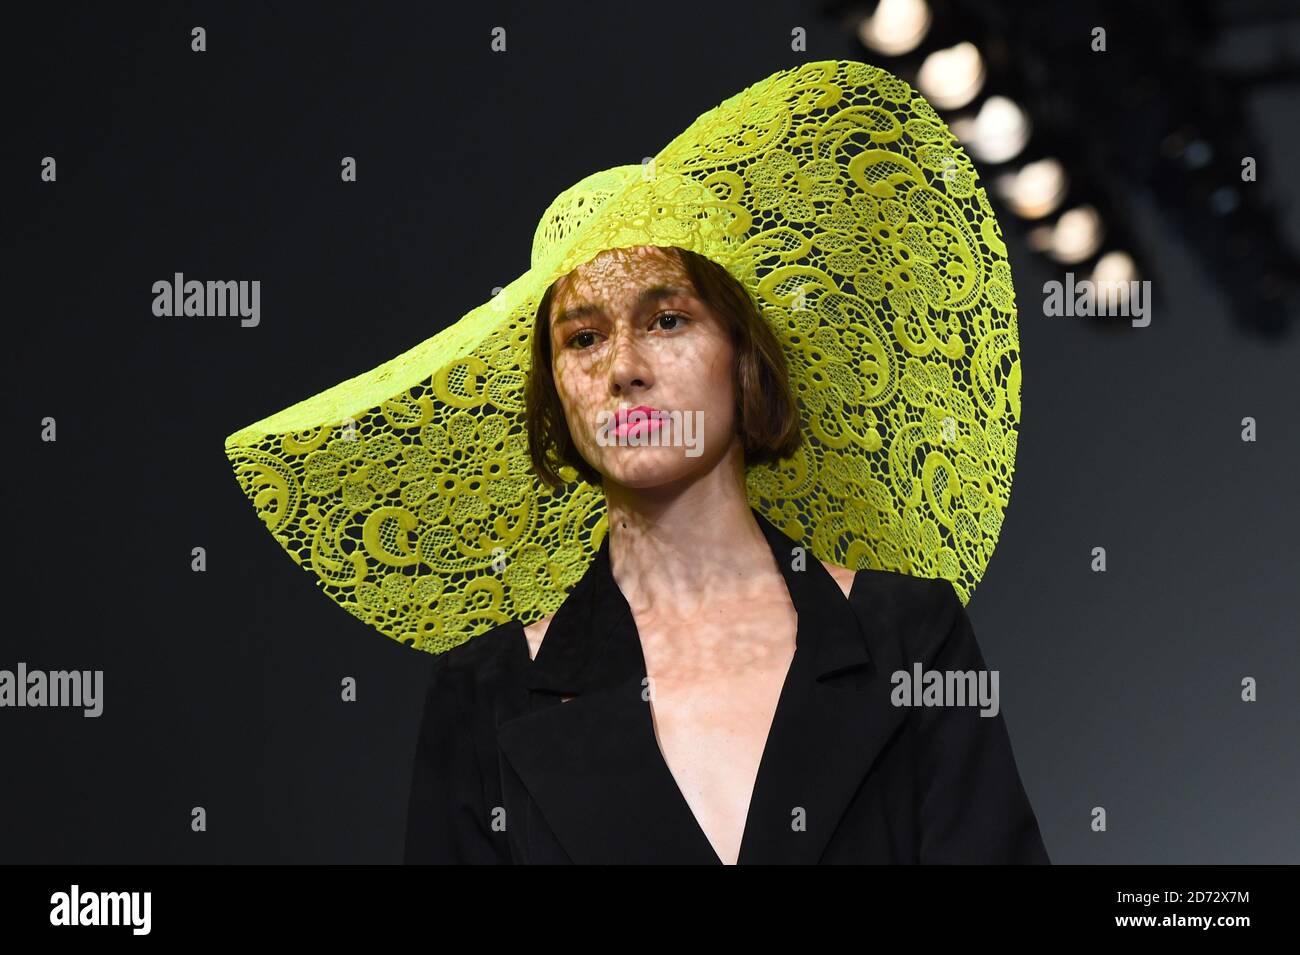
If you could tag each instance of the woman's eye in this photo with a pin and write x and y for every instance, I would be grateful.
(581, 341)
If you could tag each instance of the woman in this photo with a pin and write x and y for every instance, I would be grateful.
(618, 502)
(678, 643)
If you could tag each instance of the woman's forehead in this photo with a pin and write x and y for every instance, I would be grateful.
(622, 265)
(621, 275)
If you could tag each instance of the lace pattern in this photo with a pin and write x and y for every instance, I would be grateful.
(841, 201)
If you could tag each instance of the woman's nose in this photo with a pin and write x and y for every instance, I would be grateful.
(628, 365)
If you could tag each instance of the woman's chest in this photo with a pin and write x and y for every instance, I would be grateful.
(713, 687)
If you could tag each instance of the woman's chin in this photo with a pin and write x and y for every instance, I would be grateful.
(647, 467)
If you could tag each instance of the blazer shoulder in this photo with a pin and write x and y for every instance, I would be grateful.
(500, 641)
(904, 597)
(916, 612)
(484, 664)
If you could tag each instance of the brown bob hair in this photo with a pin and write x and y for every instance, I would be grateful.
(767, 412)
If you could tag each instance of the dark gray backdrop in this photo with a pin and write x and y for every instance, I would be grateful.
(1120, 689)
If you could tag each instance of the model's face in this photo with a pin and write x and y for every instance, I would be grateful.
(627, 331)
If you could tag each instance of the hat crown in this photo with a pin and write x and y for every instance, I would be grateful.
(625, 206)
(575, 206)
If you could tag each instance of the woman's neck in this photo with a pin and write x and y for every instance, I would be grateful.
(676, 552)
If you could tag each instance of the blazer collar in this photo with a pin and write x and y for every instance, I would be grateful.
(592, 640)
(593, 765)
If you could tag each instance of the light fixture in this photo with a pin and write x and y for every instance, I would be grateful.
(896, 27)
(1077, 235)
(1036, 190)
(997, 133)
(953, 77)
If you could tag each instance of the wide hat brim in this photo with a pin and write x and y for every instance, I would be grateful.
(844, 205)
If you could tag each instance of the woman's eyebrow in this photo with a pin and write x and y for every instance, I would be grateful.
(654, 293)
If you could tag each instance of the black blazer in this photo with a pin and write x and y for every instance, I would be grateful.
(505, 771)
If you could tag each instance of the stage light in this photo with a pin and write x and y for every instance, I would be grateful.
(997, 133)
(1036, 190)
(1224, 200)
(1077, 235)
(953, 77)
(1115, 266)
(896, 27)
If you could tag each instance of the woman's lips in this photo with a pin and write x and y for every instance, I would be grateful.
(638, 420)
(638, 425)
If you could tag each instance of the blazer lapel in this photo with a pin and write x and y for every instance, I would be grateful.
(593, 766)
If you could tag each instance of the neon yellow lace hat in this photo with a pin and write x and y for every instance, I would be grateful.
(840, 200)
